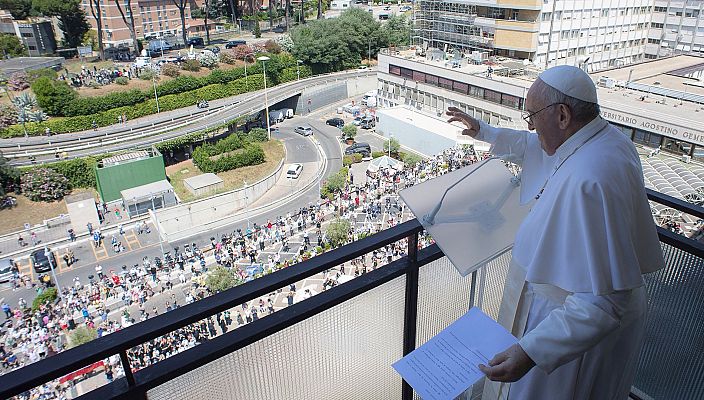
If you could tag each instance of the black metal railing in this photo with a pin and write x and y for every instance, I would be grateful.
(135, 385)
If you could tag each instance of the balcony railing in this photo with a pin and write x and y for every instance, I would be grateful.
(341, 342)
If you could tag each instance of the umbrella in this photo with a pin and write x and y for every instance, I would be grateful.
(384, 162)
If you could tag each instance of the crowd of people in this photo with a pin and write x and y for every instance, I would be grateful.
(118, 297)
(102, 76)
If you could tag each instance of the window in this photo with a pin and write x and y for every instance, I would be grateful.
(407, 73)
(476, 92)
(431, 79)
(656, 25)
(445, 83)
(418, 76)
(492, 96)
(32, 47)
(27, 34)
(460, 87)
(546, 16)
(660, 9)
(394, 70)
(511, 101)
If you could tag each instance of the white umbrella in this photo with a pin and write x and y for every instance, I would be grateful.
(384, 162)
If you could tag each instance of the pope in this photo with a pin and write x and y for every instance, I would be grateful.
(574, 293)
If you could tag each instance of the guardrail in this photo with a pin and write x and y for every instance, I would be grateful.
(400, 315)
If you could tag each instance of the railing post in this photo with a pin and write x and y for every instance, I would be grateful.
(128, 369)
(411, 310)
(473, 288)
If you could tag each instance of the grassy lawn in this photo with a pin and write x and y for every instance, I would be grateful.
(233, 179)
(31, 212)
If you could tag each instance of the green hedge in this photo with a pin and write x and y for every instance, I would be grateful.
(80, 172)
(251, 154)
(166, 103)
(47, 296)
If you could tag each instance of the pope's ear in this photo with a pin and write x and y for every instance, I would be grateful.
(565, 116)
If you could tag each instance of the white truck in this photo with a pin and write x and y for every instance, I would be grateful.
(276, 115)
(288, 112)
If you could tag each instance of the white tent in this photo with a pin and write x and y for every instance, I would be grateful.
(384, 162)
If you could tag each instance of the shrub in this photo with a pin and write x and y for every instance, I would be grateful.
(80, 172)
(147, 74)
(395, 146)
(191, 65)
(357, 157)
(257, 30)
(44, 184)
(257, 135)
(220, 279)
(35, 74)
(337, 182)
(208, 59)
(53, 96)
(171, 70)
(122, 80)
(285, 42)
(252, 154)
(48, 296)
(377, 154)
(227, 56)
(411, 159)
(347, 160)
(18, 81)
(8, 116)
(272, 47)
(338, 232)
(350, 131)
(81, 335)
(242, 51)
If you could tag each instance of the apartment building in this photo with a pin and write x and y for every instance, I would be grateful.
(677, 27)
(594, 34)
(37, 35)
(151, 18)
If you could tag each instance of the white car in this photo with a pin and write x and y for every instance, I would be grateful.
(303, 130)
(294, 171)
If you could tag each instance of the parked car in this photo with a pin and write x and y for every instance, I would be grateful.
(336, 122)
(368, 122)
(196, 41)
(304, 130)
(40, 261)
(279, 29)
(294, 171)
(362, 148)
(214, 49)
(357, 121)
(234, 43)
(6, 265)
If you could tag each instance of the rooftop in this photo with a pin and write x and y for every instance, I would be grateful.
(202, 180)
(19, 64)
(122, 158)
(146, 191)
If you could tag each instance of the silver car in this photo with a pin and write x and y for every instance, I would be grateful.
(304, 130)
(6, 269)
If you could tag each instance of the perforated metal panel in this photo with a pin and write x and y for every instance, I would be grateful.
(343, 353)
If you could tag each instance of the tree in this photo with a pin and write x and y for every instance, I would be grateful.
(72, 19)
(257, 29)
(287, 13)
(411, 159)
(181, 5)
(350, 131)
(397, 30)
(338, 232)
(20, 9)
(206, 11)
(395, 146)
(320, 9)
(53, 95)
(81, 335)
(233, 10)
(8, 175)
(10, 45)
(336, 182)
(220, 279)
(129, 22)
(96, 11)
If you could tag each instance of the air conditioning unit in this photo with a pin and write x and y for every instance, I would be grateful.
(686, 158)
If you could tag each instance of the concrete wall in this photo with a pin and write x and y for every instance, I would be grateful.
(414, 137)
(198, 216)
(322, 96)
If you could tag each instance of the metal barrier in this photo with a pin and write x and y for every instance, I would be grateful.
(351, 332)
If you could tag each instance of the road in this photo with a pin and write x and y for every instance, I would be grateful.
(152, 129)
(298, 148)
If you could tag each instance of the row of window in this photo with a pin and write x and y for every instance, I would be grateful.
(459, 87)
(595, 13)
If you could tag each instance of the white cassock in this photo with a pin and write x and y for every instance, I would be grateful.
(574, 295)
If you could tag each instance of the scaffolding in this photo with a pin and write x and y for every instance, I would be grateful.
(450, 26)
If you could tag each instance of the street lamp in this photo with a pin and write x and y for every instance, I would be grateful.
(156, 97)
(264, 59)
(156, 223)
(369, 54)
(246, 204)
(48, 255)
(391, 135)
(298, 66)
(246, 83)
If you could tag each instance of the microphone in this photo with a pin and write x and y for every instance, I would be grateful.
(429, 218)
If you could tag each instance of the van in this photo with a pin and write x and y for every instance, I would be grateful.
(288, 112)
(276, 116)
(6, 265)
(294, 171)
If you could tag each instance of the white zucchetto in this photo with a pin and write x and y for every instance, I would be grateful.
(572, 81)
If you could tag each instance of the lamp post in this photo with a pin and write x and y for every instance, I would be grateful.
(156, 224)
(298, 66)
(369, 53)
(246, 204)
(156, 97)
(246, 82)
(48, 255)
(264, 59)
(391, 135)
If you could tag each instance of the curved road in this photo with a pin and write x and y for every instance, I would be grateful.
(157, 128)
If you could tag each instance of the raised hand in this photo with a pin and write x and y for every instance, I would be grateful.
(471, 123)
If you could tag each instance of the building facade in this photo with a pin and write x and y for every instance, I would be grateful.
(669, 120)
(37, 36)
(677, 27)
(152, 18)
(596, 34)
